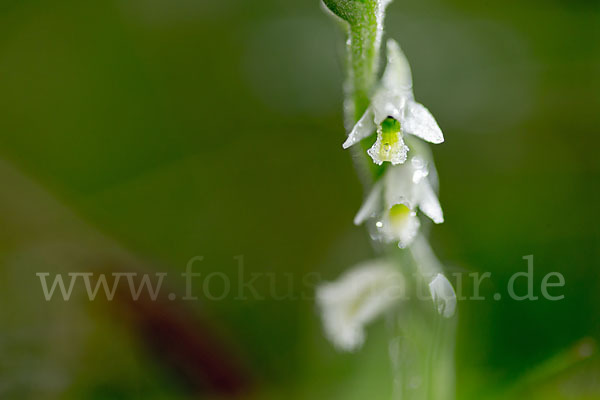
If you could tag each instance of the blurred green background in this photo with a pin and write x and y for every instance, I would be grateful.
(135, 135)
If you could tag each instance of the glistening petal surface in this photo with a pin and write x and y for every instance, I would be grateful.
(419, 122)
(364, 127)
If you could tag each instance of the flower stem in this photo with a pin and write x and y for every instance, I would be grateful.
(365, 28)
(363, 51)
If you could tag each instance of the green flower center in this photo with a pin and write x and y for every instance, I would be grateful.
(398, 214)
(390, 137)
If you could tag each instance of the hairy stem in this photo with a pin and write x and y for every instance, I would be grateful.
(363, 54)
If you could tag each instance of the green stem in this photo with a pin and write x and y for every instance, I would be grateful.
(363, 51)
(365, 20)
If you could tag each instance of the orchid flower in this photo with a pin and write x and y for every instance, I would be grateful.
(357, 298)
(395, 199)
(393, 113)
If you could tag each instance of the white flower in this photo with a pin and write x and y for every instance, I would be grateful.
(443, 295)
(394, 112)
(356, 299)
(394, 200)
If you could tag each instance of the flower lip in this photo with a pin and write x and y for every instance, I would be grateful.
(400, 224)
(398, 213)
(389, 145)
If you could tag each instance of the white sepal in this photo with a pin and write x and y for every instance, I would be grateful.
(371, 206)
(419, 122)
(397, 75)
(443, 295)
(363, 128)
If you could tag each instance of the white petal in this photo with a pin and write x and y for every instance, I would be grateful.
(397, 75)
(399, 186)
(395, 90)
(443, 296)
(433, 176)
(371, 206)
(388, 103)
(364, 127)
(419, 122)
(357, 298)
(424, 157)
(420, 169)
(396, 153)
(429, 203)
